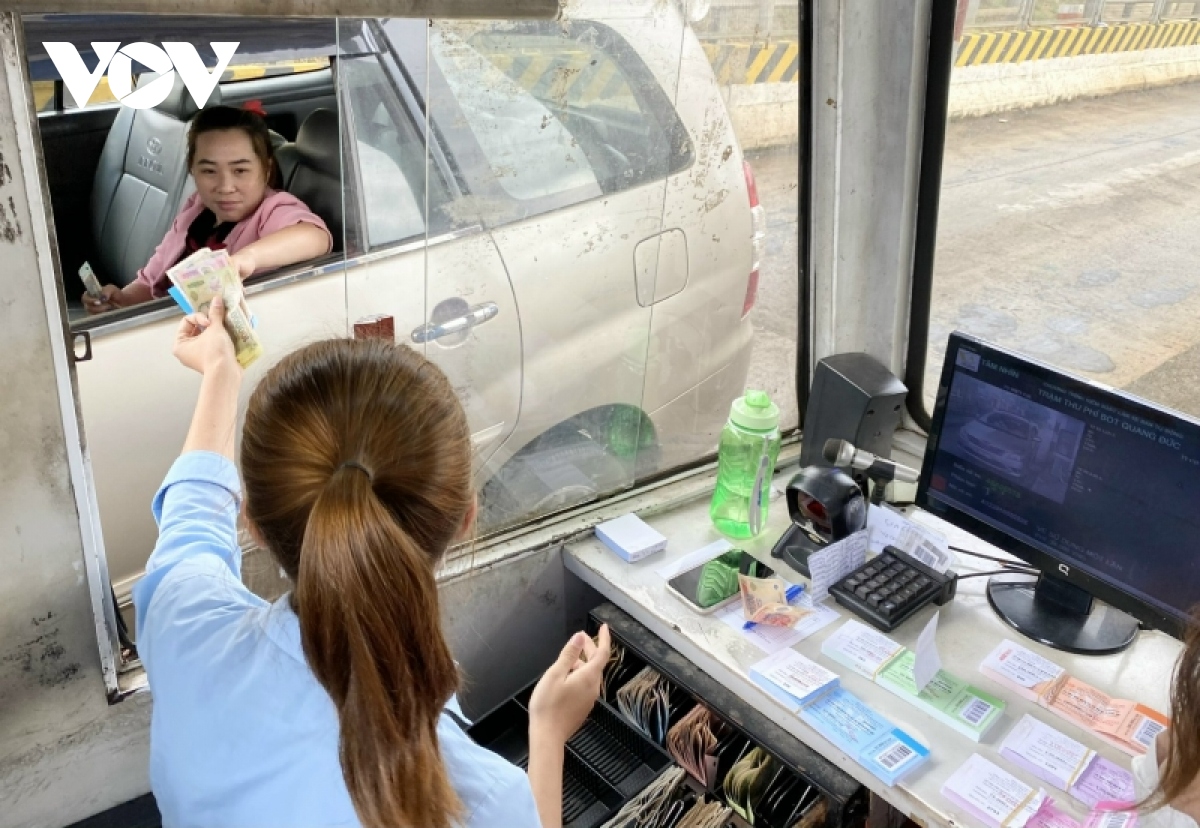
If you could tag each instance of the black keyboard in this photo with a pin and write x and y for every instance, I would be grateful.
(888, 589)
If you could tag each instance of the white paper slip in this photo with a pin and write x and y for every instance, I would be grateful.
(694, 559)
(773, 639)
(928, 661)
(791, 678)
(1024, 670)
(830, 564)
(860, 648)
(1052, 755)
(890, 528)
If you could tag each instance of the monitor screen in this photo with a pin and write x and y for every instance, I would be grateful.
(1085, 482)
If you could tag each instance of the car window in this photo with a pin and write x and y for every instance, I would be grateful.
(561, 108)
(1010, 425)
(531, 152)
(390, 155)
(273, 69)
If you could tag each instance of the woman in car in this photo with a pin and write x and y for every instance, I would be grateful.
(334, 706)
(229, 156)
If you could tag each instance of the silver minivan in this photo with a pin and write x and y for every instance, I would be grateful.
(536, 205)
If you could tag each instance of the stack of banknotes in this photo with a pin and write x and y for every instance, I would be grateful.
(209, 273)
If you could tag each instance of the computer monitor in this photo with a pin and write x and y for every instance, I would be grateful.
(1097, 489)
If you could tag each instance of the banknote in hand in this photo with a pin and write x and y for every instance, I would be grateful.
(207, 274)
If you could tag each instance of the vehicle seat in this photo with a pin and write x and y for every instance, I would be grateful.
(311, 169)
(141, 181)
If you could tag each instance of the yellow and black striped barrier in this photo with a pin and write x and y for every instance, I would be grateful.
(983, 48)
(578, 75)
(43, 90)
(742, 62)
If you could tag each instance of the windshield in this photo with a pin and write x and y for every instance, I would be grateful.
(1011, 424)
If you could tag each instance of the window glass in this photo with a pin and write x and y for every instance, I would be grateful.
(103, 96)
(390, 155)
(273, 69)
(43, 95)
(639, 179)
(564, 109)
(117, 181)
(1069, 192)
(531, 152)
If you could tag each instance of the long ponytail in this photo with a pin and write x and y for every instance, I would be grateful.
(368, 607)
(356, 458)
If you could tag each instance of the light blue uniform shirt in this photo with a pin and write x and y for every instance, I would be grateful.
(242, 735)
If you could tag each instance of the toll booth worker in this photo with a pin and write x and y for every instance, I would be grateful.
(231, 159)
(336, 704)
(1167, 779)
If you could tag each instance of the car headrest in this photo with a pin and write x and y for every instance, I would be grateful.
(179, 103)
(318, 142)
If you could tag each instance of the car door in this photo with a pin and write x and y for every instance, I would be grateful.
(425, 260)
(136, 400)
(574, 201)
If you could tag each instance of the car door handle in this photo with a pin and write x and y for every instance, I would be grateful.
(459, 324)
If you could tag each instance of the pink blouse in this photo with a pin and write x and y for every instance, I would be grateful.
(278, 210)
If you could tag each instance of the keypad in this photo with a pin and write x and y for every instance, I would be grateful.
(887, 590)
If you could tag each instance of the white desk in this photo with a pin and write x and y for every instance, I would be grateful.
(968, 631)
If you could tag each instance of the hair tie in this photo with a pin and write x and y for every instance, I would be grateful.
(256, 107)
(354, 464)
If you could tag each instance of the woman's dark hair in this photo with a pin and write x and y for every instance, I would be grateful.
(228, 117)
(1182, 764)
(356, 458)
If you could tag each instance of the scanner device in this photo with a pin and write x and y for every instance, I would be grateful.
(825, 505)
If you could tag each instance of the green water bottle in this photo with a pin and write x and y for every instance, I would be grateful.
(745, 463)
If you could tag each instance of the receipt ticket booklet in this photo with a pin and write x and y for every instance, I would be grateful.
(992, 795)
(863, 734)
(805, 687)
(947, 698)
(1130, 726)
(1066, 764)
(792, 679)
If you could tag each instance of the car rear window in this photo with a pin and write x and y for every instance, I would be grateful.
(560, 109)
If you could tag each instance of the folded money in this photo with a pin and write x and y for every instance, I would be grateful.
(207, 274)
(764, 601)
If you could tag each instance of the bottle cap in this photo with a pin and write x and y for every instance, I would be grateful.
(755, 411)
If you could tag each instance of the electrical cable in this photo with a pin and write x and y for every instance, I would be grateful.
(1003, 561)
(999, 572)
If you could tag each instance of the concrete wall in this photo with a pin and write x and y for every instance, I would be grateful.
(55, 720)
(1000, 87)
(764, 114)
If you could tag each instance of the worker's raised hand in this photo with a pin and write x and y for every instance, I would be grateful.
(566, 693)
(202, 343)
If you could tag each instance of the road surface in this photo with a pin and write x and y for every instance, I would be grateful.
(1070, 233)
(773, 363)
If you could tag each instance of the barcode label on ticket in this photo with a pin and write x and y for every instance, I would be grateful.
(976, 711)
(1146, 732)
(895, 756)
(928, 554)
(1117, 819)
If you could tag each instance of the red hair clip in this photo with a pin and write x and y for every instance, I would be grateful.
(256, 107)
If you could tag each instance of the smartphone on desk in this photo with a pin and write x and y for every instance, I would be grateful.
(713, 584)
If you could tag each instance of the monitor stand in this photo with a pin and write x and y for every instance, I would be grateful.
(1060, 615)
